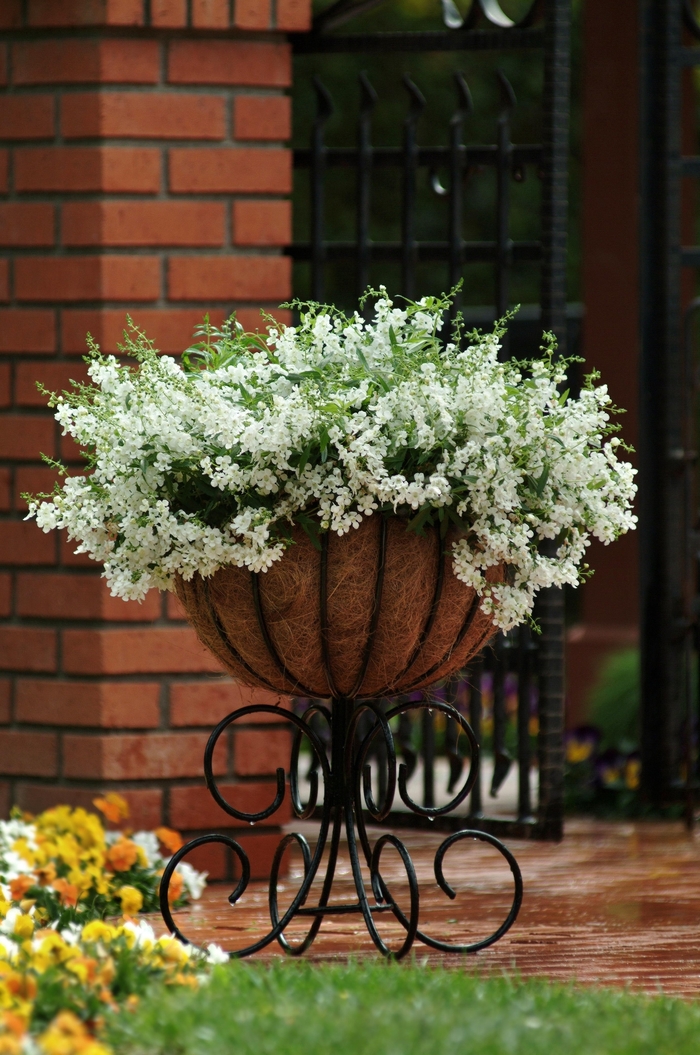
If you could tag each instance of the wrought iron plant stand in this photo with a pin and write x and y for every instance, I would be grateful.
(347, 793)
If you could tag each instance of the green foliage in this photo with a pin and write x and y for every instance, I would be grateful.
(614, 700)
(384, 1009)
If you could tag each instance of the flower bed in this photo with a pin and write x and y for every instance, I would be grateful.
(62, 962)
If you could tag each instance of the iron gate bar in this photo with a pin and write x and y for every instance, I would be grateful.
(661, 489)
(416, 105)
(457, 159)
(470, 156)
(550, 608)
(430, 40)
(365, 161)
(471, 252)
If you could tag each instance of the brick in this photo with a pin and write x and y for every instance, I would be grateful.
(4, 168)
(85, 12)
(5, 695)
(260, 849)
(11, 14)
(158, 650)
(154, 756)
(294, 16)
(143, 223)
(171, 330)
(86, 61)
(212, 858)
(56, 377)
(26, 648)
(175, 610)
(3, 64)
(262, 117)
(143, 115)
(33, 481)
(5, 489)
(69, 558)
(60, 596)
(27, 117)
(252, 14)
(5, 379)
(210, 14)
(227, 171)
(195, 808)
(145, 804)
(170, 14)
(258, 752)
(262, 222)
(22, 542)
(230, 62)
(25, 438)
(4, 280)
(78, 278)
(69, 452)
(5, 594)
(23, 330)
(77, 703)
(78, 169)
(26, 224)
(28, 754)
(207, 702)
(252, 321)
(229, 278)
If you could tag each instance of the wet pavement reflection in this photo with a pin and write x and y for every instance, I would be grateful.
(613, 904)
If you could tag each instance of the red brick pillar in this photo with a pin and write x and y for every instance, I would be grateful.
(610, 269)
(143, 169)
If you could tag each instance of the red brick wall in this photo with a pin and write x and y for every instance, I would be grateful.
(143, 168)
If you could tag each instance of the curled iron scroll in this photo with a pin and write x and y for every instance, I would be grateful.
(489, 11)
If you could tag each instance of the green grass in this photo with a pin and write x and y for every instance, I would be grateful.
(385, 1009)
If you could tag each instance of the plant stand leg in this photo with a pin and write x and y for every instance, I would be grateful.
(347, 796)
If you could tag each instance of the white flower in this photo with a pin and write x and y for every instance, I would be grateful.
(215, 954)
(144, 935)
(194, 881)
(196, 468)
(70, 933)
(148, 842)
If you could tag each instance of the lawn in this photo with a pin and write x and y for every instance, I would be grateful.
(384, 1009)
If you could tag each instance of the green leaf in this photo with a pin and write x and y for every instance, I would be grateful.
(311, 528)
(418, 522)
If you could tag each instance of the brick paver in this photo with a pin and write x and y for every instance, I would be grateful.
(613, 904)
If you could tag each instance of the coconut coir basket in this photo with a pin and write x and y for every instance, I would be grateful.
(376, 613)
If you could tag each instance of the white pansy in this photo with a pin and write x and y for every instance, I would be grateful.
(148, 841)
(71, 933)
(195, 882)
(215, 954)
(144, 935)
(197, 466)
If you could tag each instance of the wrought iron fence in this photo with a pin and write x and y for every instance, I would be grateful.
(669, 512)
(514, 693)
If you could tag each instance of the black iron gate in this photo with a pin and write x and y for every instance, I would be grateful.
(535, 667)
(669, 539)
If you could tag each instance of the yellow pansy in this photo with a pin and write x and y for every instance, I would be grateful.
(131, 899)
(172, 950)
(24, 927)
(98, 930)
(67, 1035)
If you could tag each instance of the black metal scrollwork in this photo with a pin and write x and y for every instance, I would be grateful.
(347, 793)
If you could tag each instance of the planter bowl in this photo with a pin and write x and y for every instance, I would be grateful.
(376, 613)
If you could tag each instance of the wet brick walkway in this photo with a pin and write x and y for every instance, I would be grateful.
(614, 903)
